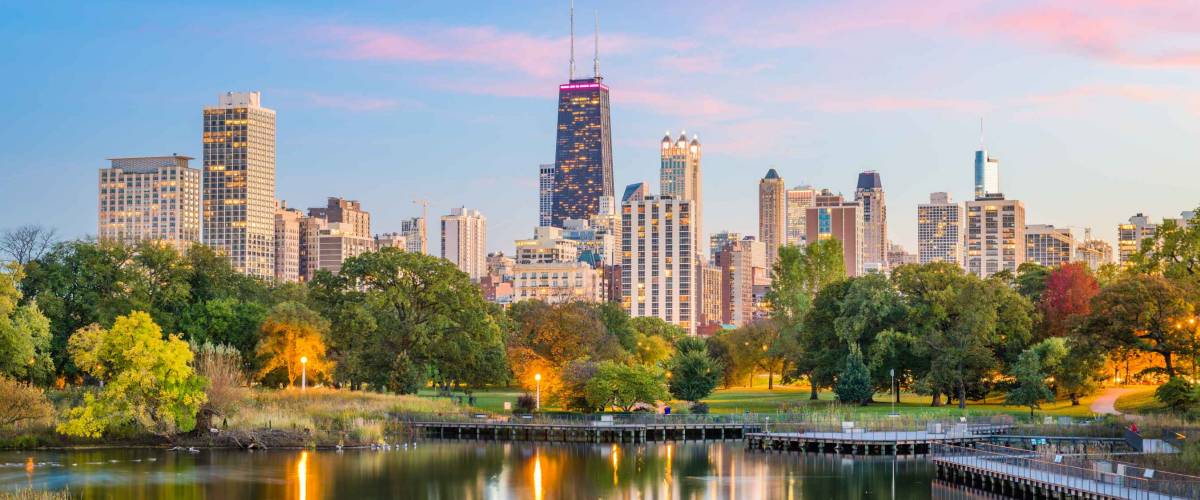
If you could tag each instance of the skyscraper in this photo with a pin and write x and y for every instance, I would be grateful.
(799, 199)
(155, 198)
(836, 219)
(239, 182)
(771, 215)
(995, 235)
(1094, 252)
(1048, 245)
(987, 174)
(464, 241)
(940, 230)
(680, 178)
(583, 149)
(545, 193)
(657, 272)
(1130, 236)
(347, 212)
(741, 268)
(869, 194)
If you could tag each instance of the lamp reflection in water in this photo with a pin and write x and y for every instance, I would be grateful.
(537, 475)
(615, 451)
(302, 473)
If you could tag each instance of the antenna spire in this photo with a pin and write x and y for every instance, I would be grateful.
(596, 57)
(981, 133)
(571, 75)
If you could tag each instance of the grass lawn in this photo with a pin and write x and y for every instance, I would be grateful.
(759, 399)
(1140, 401)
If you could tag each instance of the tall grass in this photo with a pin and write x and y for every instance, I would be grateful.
(31, 494)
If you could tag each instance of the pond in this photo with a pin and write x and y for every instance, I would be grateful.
(467, 469)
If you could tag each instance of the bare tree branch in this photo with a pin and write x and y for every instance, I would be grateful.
(26, 243)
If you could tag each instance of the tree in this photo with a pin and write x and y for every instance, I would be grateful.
(26, 243)
(1174, 252)
(693, 374)
(870, 307)
(854, 382)
(1030, 389)
(24, 332)
(1141, 312)
(719, 350)
(24, 404)
(1080, 371)
(1031, 280)
(1067, 298)
(755, 347)
(624, 386)
(148, 380)
(290, 335)
(226, 321)
(822, 353)
(799, 275)
(406, 319)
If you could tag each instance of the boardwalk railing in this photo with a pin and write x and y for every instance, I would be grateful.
(1085, 474)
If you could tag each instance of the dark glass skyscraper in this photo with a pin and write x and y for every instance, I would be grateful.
(583, 152)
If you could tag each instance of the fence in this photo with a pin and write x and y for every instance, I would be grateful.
(1095, 474)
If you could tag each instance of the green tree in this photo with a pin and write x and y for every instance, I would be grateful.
(1177, 394)
(624, 386)
(24, 332)
(1031, 280)
(719, 350)
(149, 383)
(693, 374)
(1141, 312)
(428, 322)
(854, 382)
(822, 353)
(1030, 388)
(227, 321)
(798, 275)
(293, 340)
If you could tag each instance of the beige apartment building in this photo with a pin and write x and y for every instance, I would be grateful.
(149, 198)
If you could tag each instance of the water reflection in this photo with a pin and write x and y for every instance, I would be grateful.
(472, 470)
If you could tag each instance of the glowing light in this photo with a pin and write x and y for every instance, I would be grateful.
(302, 473)
(537, 476)
(616, 450)
(582, 86)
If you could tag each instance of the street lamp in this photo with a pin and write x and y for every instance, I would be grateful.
(538, 378)
(303, 372)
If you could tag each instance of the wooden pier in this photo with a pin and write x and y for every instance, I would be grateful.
(1017, 481)
(864, 442)
(585, 432)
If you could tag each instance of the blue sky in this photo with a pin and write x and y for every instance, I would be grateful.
(1092, 107)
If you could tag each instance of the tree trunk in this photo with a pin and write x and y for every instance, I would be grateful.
(771, 380)
(1170, 367)
(812, 385)
(962, 396)
(1074, 399)
(937, 398)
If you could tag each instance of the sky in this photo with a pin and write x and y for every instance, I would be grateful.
(1093, 108)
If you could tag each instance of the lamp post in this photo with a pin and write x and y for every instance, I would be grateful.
(538, 401)
(895, 392)
(303, 372)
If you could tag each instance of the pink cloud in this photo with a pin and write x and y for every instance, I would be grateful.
(352, 103)
(691, 106)
(841, 101)
(1076, 99)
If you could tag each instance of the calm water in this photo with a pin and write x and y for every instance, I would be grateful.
(455, 469)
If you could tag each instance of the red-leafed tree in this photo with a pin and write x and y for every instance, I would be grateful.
(1067, 298)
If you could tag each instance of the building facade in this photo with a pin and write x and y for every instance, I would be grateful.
(741, 264)
(414, 235)
(940, 230)
(987, 175)
(153, 198)
(239, 182)
(772, 214)
(547, 246)
(464, 240)
(339, 241)
(899, 256)
(1048, 245)
(287, 243)
(680, 178)
(1094, 252)
(869, 194)
(657, 270)
(839, 220)
(1130, 236)
(799, 199)
(712, 305)
(349, 213)
(557, 282)
(545, 194)
(995, 236)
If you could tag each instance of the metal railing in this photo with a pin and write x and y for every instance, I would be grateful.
(1100, 475)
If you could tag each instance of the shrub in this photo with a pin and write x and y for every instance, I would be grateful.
(222, 365)
(525, 404)
(699, 408)
(23, 405)
(1178, 394)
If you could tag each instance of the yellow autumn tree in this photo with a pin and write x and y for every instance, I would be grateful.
(291, 333)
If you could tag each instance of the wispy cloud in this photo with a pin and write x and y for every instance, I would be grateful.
(355, 103)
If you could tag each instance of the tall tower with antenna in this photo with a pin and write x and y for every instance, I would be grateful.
(987, 170)
(583, 146)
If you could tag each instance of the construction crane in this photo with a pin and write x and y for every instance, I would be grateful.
(424, 224)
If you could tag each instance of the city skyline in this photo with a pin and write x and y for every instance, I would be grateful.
(1042, 135)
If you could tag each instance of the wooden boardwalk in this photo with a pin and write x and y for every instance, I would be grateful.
(1018, 481)
(584, 432)
(861, 442)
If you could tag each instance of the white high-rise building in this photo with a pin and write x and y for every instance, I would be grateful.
(995, 236)
(414, 235)
(799, 199)
(545, 193)
(940, 230)
(869, 194)
(239, 182)
(464, 241)
(1048, 245)
(154, 198)
(681, 178)
(658, 272)
(1130, 236)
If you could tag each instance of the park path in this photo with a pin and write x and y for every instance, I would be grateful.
(1105, 403)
